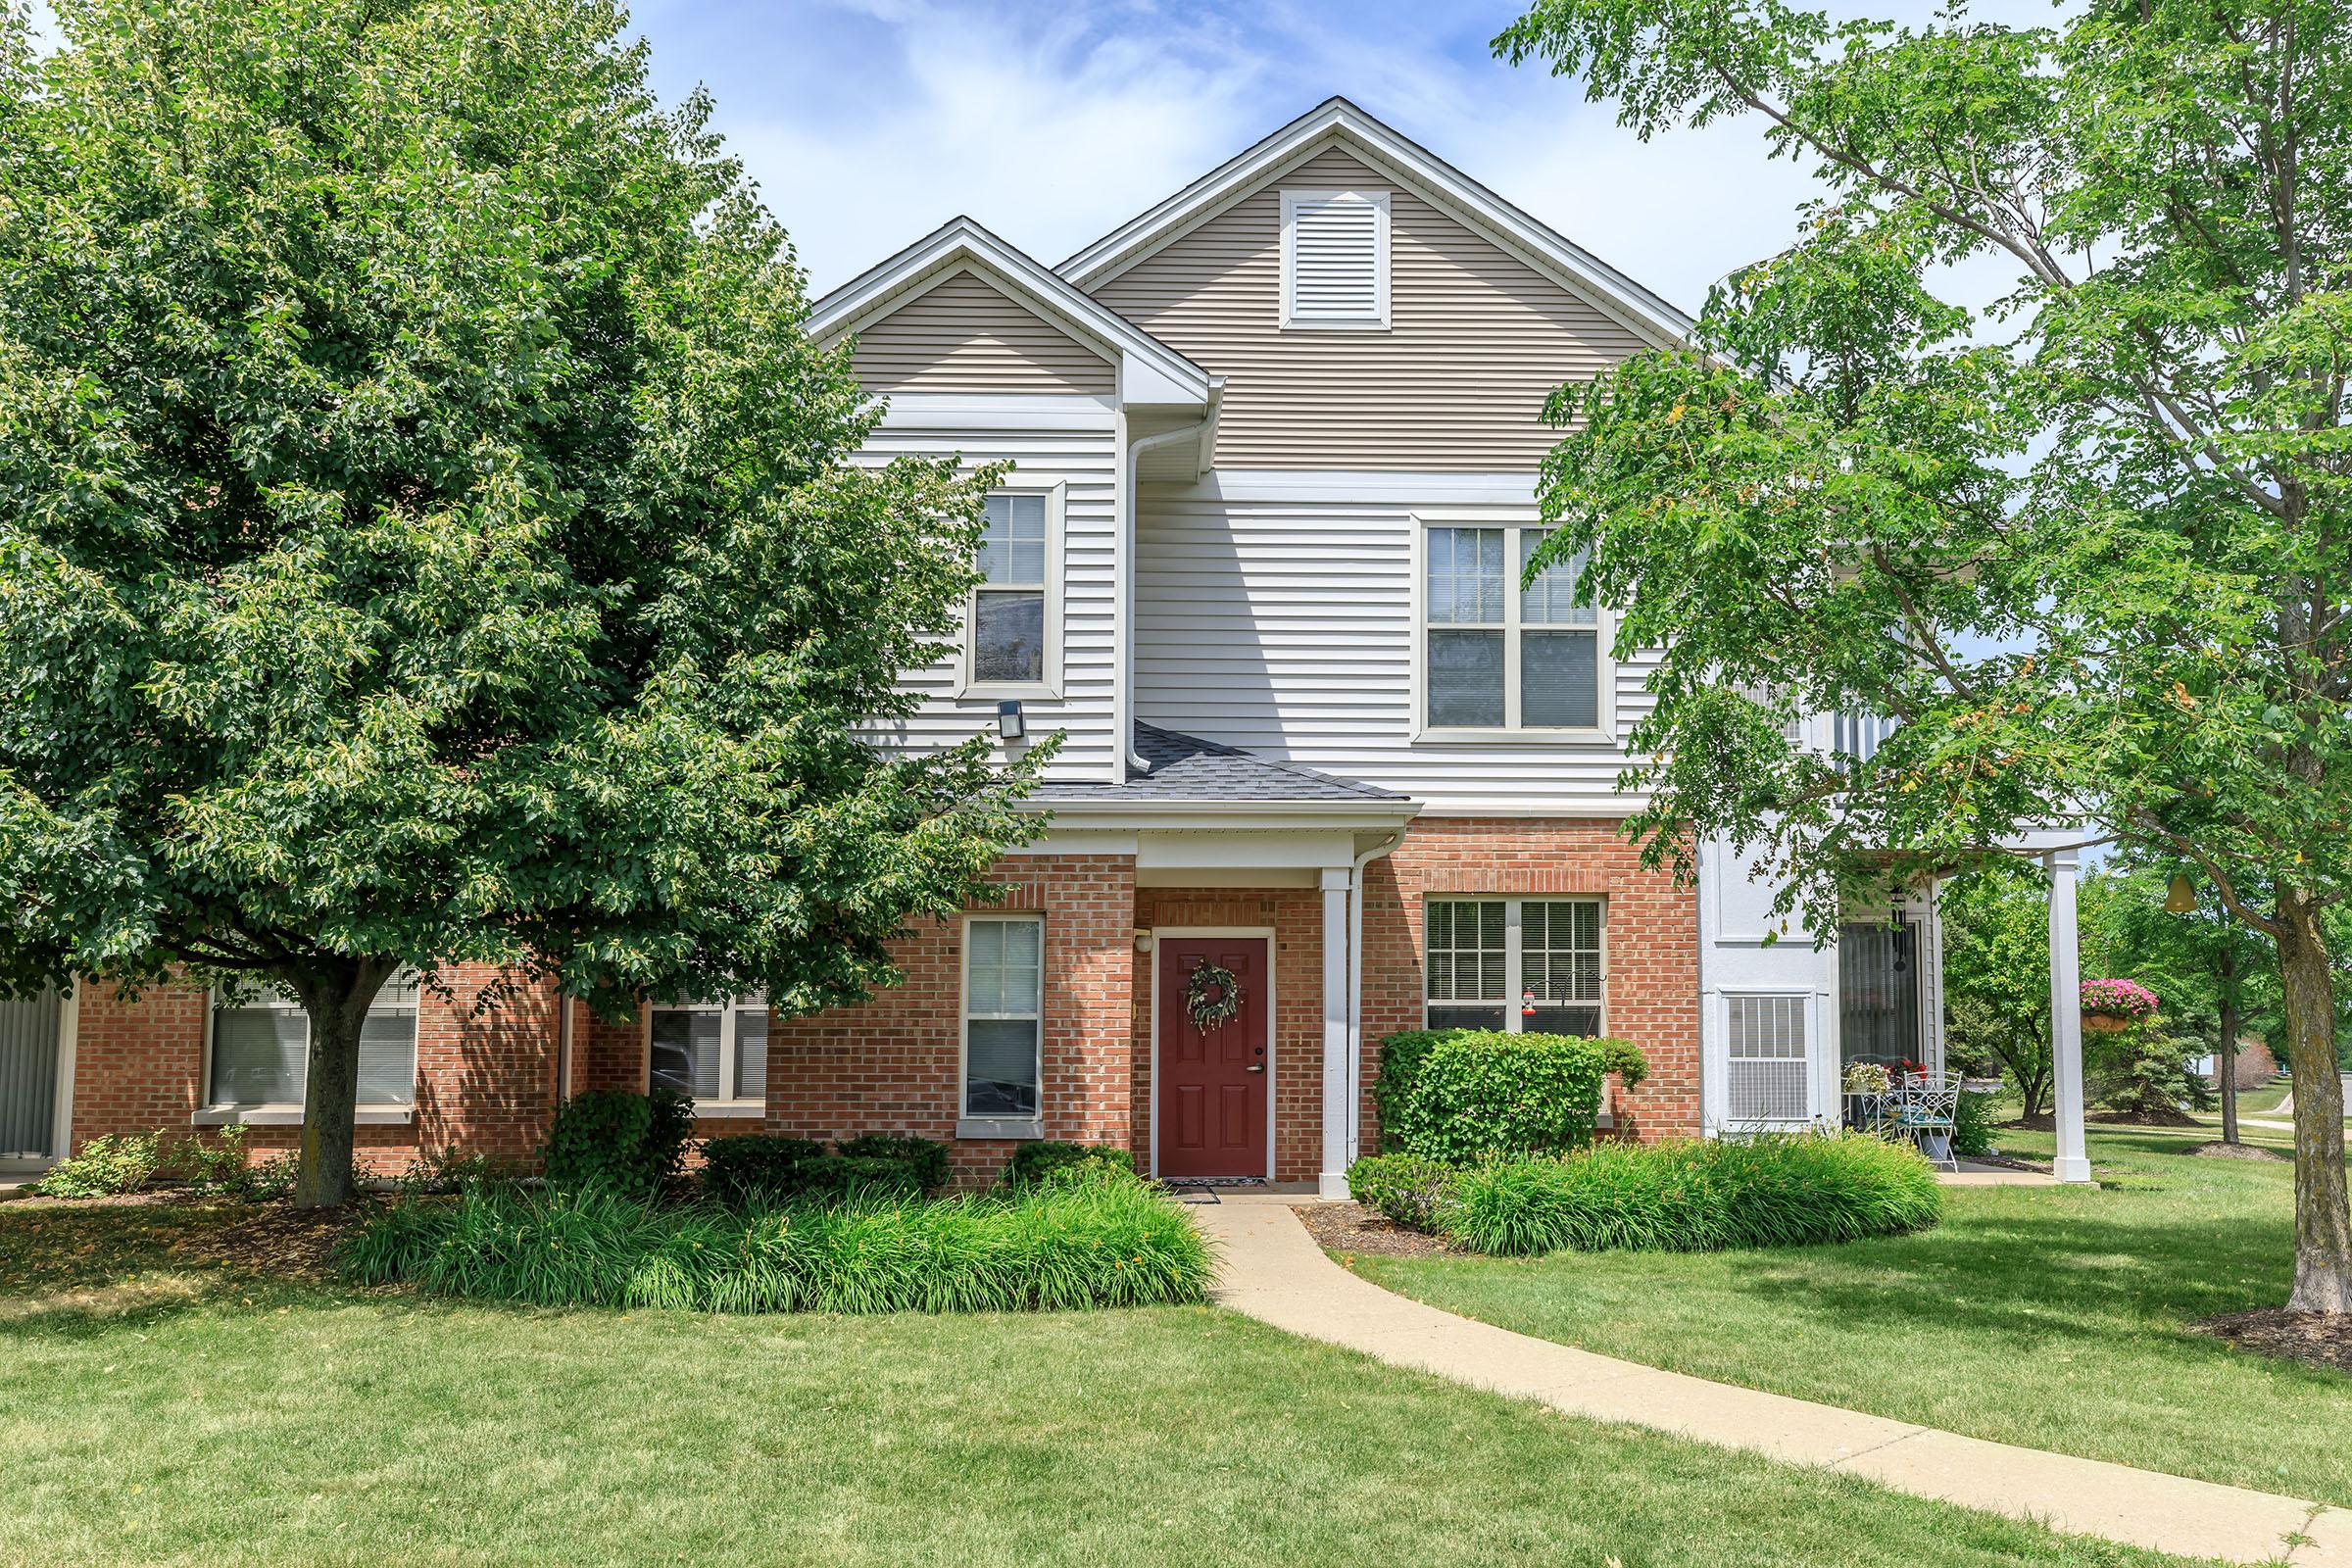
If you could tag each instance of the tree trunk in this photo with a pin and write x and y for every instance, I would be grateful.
(337, 1002)
(2322, 1225)
(2225, 1061)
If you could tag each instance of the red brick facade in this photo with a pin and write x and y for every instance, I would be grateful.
(490, 1081)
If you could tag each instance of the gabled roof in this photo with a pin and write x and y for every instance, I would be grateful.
(1336, 122)
(1151, 371)
(1186, 767)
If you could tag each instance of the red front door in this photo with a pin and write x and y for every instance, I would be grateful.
(1213, 1084)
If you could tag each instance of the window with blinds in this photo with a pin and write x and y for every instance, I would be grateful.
(712, 1053)
(261, 1049)
(1004, 1012)
(1520, 965)
(1766, 1074)
(1334, 258)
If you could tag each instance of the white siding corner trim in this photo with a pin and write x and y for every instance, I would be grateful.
(1334, 260)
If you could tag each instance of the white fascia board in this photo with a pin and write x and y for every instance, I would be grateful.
(962, 245)
(1550, 253)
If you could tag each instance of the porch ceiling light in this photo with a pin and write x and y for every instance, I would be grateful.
(1010, 722)
(2181, 897)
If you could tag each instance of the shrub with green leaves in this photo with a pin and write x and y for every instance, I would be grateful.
(451, 1170)
(925, 1158)
(849, 1178)
(1086, 1239)
(1034, 1162)
(1460, 1094)
(738, 1168)
(1971, 1124)
(1405, 1188)
(108, 1164)
(620, 1141)
(1771, 1189)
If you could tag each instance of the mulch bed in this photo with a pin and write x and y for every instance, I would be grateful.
(2221, 1150)
(2129, 1119)
(280, 1240)
(1352, 1228)
(2311, 1338)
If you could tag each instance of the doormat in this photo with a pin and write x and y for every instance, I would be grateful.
(1204, 1189)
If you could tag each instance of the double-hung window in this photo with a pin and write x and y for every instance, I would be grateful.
(1013, 636)
(714, 1053)
(1004, 1012)
(1496, 656)
(1520, 965)
(260, 1049)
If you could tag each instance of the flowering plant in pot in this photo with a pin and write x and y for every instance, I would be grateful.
(2110, 1006)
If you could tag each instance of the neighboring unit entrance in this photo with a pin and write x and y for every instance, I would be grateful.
(28, 1041)
(1878, 992)
(1215, 1084)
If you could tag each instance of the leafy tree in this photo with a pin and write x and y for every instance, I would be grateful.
(1996, 975)
(2088, 546)
(429, 536)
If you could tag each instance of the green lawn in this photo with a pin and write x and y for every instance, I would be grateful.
(153, 1414)
(2053, 1317)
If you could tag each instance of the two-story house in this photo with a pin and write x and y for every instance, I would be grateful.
(1329, 769)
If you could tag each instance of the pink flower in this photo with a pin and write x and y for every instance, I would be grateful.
(2118, 999)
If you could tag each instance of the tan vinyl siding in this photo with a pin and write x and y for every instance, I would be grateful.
(964, 335)
(1478, 340)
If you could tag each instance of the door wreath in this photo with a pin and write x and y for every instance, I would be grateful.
(1212, 995)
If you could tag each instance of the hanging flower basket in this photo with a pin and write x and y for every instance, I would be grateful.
(1212, 997)
(2111, 1006)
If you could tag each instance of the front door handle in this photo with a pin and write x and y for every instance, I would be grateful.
(1257, 1066)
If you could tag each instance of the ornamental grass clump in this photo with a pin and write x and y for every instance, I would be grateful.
(1772, 1189)
(1081, 1239)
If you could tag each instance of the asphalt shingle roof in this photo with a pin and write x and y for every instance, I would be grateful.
(1186, 767)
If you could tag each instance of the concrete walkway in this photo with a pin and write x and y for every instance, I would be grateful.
(1273, 1271)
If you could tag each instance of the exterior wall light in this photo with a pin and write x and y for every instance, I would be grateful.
(1010, 722)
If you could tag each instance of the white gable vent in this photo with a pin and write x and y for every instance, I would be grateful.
(1335, 257)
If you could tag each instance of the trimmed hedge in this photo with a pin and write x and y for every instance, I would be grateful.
(926, 1160)
(1406, 1188)
(1034, 1162)
(620, 1142)
(741, 1166)
(1460, 1094)
(1086, 1239)
(1772, 1189)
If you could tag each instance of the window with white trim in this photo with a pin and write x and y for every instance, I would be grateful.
(1496, 656)
(1004, 1012)
(260, 1055)
(1765, 1080)
(1334, 258)
(714, 1052)
(1520, 965)
(1011, 618)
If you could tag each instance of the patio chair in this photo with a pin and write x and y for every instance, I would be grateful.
(1925, 1108)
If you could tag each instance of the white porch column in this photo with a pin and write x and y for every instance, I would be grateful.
(2066, 1021)
(1333, 1181)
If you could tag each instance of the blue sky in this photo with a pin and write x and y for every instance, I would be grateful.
(869, 122)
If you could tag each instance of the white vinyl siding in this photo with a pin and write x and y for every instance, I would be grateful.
(1069, 449)
(259, 1049)
(1520, 965)
(1768, 1066)
(714, 1054)
(1004, 1016)
(1287, 626)
(1334, 258)
(1477, 339)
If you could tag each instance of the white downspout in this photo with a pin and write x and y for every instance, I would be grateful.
(1355, 991)
(1131, 475)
